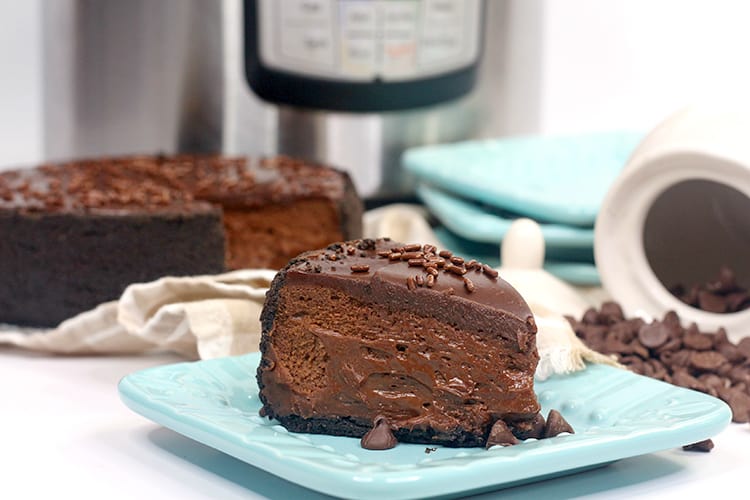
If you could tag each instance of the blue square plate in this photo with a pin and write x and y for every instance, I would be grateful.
(550, 178)
(615, 413)
(575, 273)
(472, 222)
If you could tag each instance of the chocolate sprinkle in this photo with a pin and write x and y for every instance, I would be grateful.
(460, 271)
(360, 268)
(492, 273)
(411, 255)
(410, 283)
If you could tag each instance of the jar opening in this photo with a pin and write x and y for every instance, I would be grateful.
(693, 229)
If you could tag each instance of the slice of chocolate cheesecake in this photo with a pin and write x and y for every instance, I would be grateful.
(368, 330)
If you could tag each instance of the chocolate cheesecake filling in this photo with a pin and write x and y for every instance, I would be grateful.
(346, 338)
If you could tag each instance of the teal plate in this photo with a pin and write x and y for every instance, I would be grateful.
(472, 222)
(556, 179)
(575, 273)
(616, 414)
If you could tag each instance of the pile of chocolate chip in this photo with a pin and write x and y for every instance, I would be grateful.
(667, 351)
(721, 295)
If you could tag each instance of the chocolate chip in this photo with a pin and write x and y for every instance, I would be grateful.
(653, 335)
(744, 346)
(706, 360)
(687, 357)
(611, 312)
(556, 424)
(720, 337)
(684, 379)
(501, 435)
(637, 348)
(740, 374)
(698, 341)
(671, 319)
(379, 437)
(738, 301)
(725, 282)
(536, 429)
(739, 402)
(616, 345)
(672, 345)
(591, 317)
(624, 331)
(704, 446)
(721, 295)
(713, 381)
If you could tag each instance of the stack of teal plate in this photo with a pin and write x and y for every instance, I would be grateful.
(476, 189)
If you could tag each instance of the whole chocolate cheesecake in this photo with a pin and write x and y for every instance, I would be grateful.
(373, 331)
(75, 235)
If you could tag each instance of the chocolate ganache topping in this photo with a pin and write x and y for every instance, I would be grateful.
(439, 346)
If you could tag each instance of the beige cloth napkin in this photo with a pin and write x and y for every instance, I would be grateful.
(212, 316)
(198, 316)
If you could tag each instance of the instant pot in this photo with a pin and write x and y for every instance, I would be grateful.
(351, 83)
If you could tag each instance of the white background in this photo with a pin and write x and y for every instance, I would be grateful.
(20, 82)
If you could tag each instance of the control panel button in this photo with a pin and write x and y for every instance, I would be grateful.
(361, 40)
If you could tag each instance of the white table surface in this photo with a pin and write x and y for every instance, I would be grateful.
(65, 431)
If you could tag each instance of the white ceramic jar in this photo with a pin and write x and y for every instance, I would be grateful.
(678, 212)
